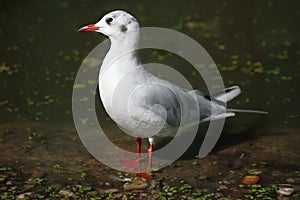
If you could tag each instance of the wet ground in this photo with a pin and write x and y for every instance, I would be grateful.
(255, 45)
(38, 166)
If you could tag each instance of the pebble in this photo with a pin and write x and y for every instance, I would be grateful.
(78, 186)
(9, 183)
(219, 195)
(3, 176)
(170, 194)
(23, 195)
(223, 187)
(118, 195)
(107, 184)
(111, 190)
(286, 191)
(3, 188)
(290, 180)
(136, 184)
(250, 180)
(143, 195)
(226, 182)
(66, 193)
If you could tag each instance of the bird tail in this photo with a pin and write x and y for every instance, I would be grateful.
(229, 94)
(246, 111)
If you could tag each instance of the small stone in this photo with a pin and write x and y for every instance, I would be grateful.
(78, 186)
(3, 176)
(13, 174)
(118, 195)
(13, 187)
(23, 195)
(111, 191)
(250, 180)
(107, 184)
(124, 197)
(183, 197)
(170, 194)
(66, 193)
(223, 187)
(226, 182)
(3, 188)
(37, 174)
(286, 191)
(27, 187)
(136, 184)
(9, 183)
(290, 180)
(144, 195)
(219, 195)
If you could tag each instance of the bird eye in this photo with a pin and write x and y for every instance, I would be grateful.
(109, 20)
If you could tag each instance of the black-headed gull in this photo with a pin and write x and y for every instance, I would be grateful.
(140, 102)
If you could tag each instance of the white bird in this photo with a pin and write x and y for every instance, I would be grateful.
(139, 102)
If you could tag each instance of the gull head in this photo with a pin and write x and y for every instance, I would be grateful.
(117, 25)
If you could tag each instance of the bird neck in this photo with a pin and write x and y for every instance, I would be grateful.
(122, 55)
(125, 44)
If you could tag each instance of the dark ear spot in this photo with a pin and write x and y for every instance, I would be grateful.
(123, 28)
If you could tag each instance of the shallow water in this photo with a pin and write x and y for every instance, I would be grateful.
(255, 45)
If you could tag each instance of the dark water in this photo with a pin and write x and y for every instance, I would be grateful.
(256, 45)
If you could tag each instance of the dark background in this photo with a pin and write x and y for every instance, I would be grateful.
(255, 44)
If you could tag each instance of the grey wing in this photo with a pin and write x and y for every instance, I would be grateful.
(160, 103)
(164, 101)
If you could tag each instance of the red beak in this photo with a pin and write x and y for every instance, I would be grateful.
(88, 28)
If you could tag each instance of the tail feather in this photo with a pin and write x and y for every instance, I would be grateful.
(219, 116)
(229, 94)
(246, 111)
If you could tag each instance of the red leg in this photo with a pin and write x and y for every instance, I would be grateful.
(133, 163)
(138, 148)
(150, 150)
(148, 174)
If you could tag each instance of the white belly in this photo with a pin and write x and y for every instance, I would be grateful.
(116, 86)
